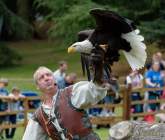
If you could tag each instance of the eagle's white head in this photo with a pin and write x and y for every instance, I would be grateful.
(81, 47)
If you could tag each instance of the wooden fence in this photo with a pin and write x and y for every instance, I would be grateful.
(124, 106)
(25, 111)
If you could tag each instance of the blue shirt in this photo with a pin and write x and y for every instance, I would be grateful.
(59, 78)
(3, 105)
(155, 77)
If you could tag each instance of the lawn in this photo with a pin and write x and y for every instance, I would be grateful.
(35, 54)
(40, 53)
(47, 53)
(102, 132)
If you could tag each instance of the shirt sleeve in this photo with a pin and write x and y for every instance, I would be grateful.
(85, 94)
(34, 132)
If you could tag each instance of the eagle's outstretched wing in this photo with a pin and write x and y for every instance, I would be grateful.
(111, 22)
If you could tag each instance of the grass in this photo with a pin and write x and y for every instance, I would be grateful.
(18, 134)
(102, 132)
(35, 54)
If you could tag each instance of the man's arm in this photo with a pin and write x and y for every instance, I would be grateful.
(34, 132)
(85, 94)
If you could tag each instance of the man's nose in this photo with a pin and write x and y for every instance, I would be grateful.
(46, 77)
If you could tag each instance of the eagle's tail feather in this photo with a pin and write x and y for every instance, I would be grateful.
(137, 56)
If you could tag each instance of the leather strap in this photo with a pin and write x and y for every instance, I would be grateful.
(47, 124)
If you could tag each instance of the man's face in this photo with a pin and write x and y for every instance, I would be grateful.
(45, 80)
(16, 92)
(2, 85)
(64, 67)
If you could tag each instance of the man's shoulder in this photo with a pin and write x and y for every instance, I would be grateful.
(57, 72)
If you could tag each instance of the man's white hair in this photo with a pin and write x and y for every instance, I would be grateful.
(38, 71)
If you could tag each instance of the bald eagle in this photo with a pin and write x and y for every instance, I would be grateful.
(112, 33)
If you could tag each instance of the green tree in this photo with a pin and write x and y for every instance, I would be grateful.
(13, 26)
(8, 57)
(69, 17)
(23, 8)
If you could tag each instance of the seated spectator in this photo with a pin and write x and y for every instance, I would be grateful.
(32, 104)
(157, 57)
(154, 79)
(135, 80)
(161, 60)
(161, 116)
(70, 79)
(3, 93)
(3, 103)
(13, 105)
(60, 74)
(163, 75)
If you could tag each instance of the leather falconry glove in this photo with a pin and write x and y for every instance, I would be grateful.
(97, 62)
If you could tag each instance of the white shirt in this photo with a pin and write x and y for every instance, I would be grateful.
(59, 78)
(58, 73)
(84, 94)
(134, 80)
(14, 105)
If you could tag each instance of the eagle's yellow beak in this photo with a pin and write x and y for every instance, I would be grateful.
(71, 49)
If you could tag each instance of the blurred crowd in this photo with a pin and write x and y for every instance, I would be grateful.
(12, 102)
(152, 77)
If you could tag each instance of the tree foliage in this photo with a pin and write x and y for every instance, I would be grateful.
(68, 26)
(13, 26)
(8, 57)
(154, 31)
(57, 7)
(72, 16)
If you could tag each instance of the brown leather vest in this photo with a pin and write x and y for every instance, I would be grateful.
(75, 122)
